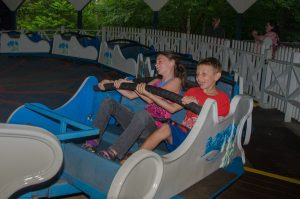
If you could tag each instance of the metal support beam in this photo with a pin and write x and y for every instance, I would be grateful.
(155, 19)
(13, 20)
(79, 19)
(238, 31)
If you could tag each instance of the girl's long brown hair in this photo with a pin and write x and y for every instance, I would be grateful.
(179, 70)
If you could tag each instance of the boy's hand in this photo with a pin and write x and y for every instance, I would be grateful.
(189, 99)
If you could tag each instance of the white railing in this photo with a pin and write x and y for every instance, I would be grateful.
(281, 85)
(273, 82)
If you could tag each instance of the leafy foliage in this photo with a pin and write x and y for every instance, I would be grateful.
(42, 14)
(192, 16)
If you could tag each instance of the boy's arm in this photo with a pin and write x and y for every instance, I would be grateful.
(189, 99)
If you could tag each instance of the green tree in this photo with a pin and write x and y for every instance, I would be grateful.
(42, 14)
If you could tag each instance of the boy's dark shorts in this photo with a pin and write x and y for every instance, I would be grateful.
(179, 133)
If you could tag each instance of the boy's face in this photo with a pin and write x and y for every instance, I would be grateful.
(207, 76)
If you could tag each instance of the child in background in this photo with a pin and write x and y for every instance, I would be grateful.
(208, 73)
(271, 33)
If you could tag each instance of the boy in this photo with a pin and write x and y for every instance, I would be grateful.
(208, 73)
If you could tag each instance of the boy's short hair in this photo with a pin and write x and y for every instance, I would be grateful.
(212, 62)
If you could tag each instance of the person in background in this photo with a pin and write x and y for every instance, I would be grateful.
(272, 31)
(215, 30)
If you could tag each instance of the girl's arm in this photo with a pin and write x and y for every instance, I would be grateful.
(173, 86)
(126, 93)
(144, 97)
(258, 37)
(105, 81)
(117, 84)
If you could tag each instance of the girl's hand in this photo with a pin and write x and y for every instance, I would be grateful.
(141, 89)
(188, 100)
(117, 83)
(105, 81)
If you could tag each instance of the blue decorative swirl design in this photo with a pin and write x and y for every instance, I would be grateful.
(64, 47)
(220, 139)
(13, 45)
(108, 57)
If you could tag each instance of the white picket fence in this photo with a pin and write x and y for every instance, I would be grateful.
(273, 82)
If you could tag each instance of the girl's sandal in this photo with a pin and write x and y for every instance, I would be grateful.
(108, 154)
(90, 145)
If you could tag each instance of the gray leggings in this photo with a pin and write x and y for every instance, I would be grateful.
(135, 124)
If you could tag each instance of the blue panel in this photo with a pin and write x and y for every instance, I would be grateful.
(98, 172)
(236, 166)
(226, 88)
(228, 85)
(76, 115)
(65, 124)
(85, 104)
(26, 116)
(179, 116)
(60, 188)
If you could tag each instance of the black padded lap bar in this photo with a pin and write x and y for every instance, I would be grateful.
(156, 91)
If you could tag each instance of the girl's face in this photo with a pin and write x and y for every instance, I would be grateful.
(164, 65)
(268, 27)
(207, 77)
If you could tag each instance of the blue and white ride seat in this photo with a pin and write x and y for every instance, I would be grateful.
(133, 50)
(86, 40)
(34, 36)
(227, 84)
(80, 110)
(230, 84)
